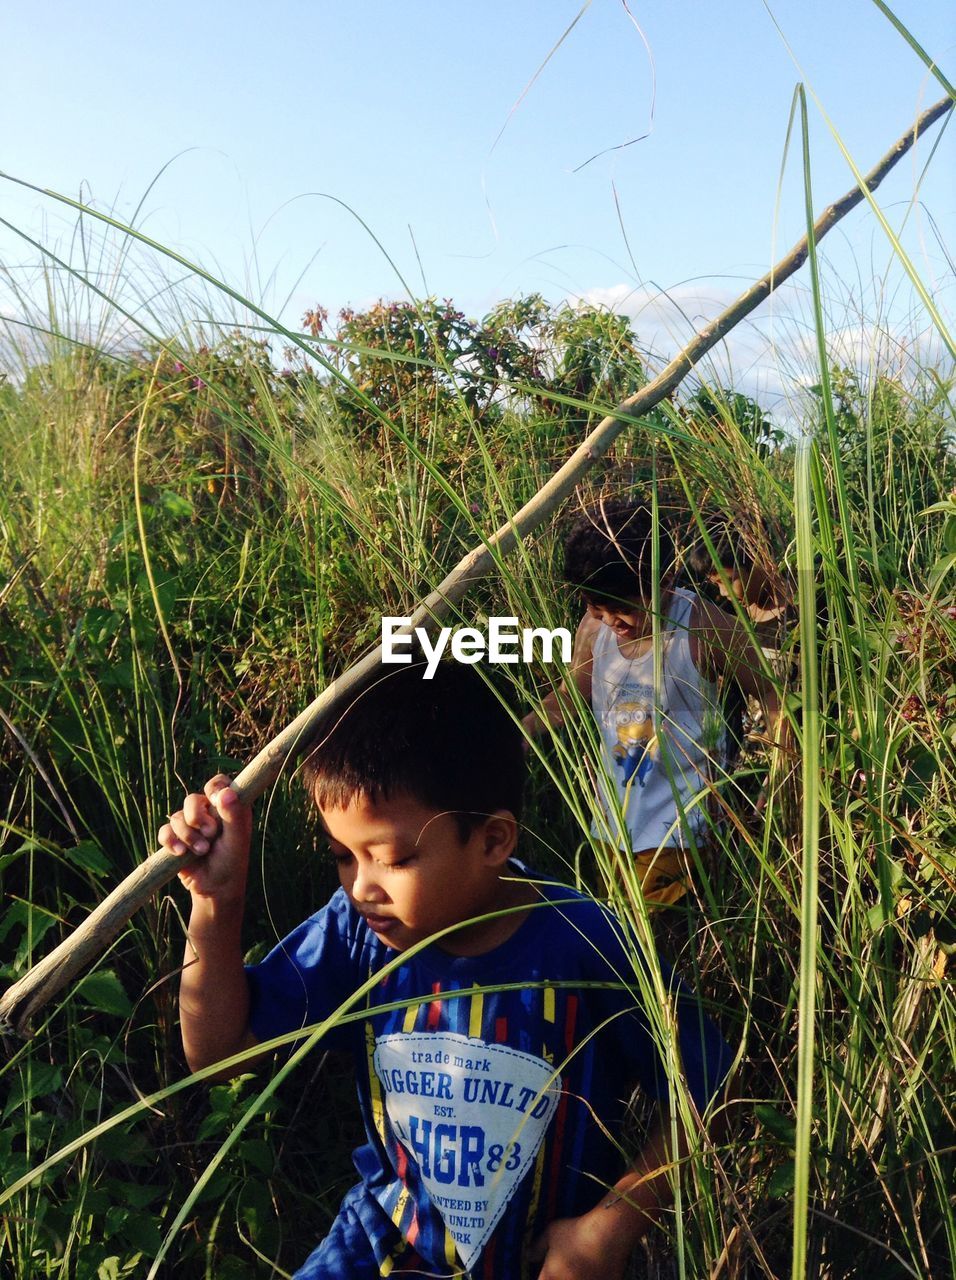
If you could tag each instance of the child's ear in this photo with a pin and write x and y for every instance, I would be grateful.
(501, 836)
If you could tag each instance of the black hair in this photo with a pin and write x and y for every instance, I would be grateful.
(608, 553)
(448, 742)
(738, 543)
(729, 548)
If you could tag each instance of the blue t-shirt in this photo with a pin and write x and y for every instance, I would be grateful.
(488, 1112)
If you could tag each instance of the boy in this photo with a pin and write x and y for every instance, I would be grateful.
(492, 1116)
(744, 575)
(660, 731)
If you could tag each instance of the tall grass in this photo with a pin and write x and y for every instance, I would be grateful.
(191, 544)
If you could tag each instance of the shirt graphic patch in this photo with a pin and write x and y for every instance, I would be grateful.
(636, 747)
(472, 1116)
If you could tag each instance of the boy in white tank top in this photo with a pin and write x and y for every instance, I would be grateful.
(657, 708)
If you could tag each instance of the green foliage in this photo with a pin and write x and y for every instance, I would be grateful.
(426, 362)
(943, 568)
(723, 408)
(896, 452)
(187, 553)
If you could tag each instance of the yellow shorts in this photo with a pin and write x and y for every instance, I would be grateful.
(663, 875)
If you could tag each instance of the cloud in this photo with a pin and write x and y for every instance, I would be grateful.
(665, 321)
(772, 355)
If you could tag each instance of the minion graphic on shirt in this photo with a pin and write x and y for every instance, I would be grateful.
(636, 750)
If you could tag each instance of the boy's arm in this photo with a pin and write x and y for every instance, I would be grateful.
(213, 993)
(554, 705)
(598, 1244)
(722, 646)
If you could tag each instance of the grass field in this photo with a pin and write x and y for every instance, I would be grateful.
(192, 543)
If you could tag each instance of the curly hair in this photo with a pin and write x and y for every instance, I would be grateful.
(608, 553)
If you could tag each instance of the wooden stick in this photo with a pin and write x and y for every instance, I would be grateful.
(29, 994)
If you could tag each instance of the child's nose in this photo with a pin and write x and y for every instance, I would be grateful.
(366, 887)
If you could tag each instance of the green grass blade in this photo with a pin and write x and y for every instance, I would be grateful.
(810, 841)
(915, 45)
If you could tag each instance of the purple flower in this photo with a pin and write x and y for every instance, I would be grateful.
(475, 508)
(178, 366)
(198, 384)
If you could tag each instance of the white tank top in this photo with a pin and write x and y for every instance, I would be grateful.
(659, 746)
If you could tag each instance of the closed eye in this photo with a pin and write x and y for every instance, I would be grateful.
(400, 863)
(340, 855)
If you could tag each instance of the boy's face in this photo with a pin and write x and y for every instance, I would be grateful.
(754, 588)
(628, 619)
(731, 587)
(407, 870)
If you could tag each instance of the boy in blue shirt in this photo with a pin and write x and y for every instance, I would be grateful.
(507, 1032)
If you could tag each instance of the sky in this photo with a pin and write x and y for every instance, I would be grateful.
(334, 152)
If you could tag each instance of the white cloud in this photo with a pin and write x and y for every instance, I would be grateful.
(772, 355)
(665, 321)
